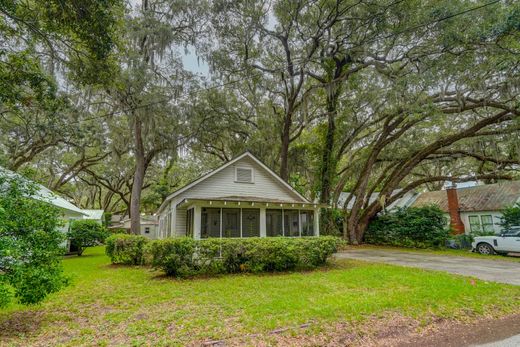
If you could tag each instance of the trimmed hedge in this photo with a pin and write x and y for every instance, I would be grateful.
(126, 249)
(422, 227)
(184, 257)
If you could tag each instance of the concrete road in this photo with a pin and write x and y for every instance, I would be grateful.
(489, 270)
(510, 342)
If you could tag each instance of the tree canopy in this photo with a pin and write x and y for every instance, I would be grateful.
(358, 95)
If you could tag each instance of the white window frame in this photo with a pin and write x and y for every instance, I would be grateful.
(244, 168)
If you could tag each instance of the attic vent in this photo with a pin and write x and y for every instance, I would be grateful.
(243, 175)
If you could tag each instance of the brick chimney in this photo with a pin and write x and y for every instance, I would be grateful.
(456, 225)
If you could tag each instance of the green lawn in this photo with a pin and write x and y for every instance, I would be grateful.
(441, 252)
(110, 305)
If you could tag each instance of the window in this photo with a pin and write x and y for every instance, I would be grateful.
(487, 223)
(307, 220)
(210, 222)
(250, 222)
(291, 223)
(474, 224)
(230, 222)
(147, 230)
(273, 222)
(243, 175)
(189, 222)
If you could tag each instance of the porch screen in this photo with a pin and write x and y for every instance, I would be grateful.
(307, 220)
(210, 223)
(230, 222)
(189, 223)
(250, 222)
(273, 223)
(291, 223)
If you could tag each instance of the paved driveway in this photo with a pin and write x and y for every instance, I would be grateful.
(489, 270)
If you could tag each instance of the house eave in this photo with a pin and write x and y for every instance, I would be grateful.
(249, 203)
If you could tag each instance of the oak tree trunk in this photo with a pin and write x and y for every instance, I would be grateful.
(137, 186)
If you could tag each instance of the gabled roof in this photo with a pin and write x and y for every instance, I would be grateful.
(489, 197)
(45, 195)
(93, 214)
(225, 165)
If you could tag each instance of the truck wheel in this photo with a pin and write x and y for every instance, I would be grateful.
(484, 248)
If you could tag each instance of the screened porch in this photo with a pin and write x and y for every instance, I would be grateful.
(222, 219)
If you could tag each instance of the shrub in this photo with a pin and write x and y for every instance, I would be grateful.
(86, 233)
(182, 257)
(422, 227)
(511, 217)
(30, 243)
(174, 256)
(126, 249)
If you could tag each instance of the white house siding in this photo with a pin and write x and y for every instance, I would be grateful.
(222, 184)
(497, 216)
(180, 222)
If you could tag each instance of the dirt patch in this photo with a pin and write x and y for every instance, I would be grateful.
(482, 331)
(20, 324)
(391, 330)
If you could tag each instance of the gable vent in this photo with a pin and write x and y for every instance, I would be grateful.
(244, 175)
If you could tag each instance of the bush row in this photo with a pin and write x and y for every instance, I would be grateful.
(423, 227)
(183, 257)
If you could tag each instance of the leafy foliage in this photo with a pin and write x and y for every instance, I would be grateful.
(421, 227)
(126, 249)
(86, 233)
(30, 244)
(511, 216)
(182, 257)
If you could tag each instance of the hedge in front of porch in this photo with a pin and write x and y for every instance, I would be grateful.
(184, 257)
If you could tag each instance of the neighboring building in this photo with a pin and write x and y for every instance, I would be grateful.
(69, 211)
(473, 209)
(242, 198)
(149, 226)
(404, 201)
(96, 215)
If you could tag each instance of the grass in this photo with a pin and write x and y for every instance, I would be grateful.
(442, 251)
(111, 305)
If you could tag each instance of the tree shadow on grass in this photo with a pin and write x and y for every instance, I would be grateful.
(21, 323)
(329, 266)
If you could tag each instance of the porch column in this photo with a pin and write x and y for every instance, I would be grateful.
(263, 232)
(196, 222)
(317, 222)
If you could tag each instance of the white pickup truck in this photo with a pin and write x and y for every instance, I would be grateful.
(507, 242)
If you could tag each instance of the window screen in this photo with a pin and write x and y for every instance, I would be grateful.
(307, 220)
(210, 223)
(244, 175)
(230, 222)
(273, 222)
(291, 223)
(250, 222)
(189, 222)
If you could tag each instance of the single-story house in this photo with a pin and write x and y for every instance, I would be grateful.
(473, 209)
(402, 202)
(96, 215)
(149, 225)
(242, 198)
(68, 210)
